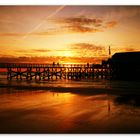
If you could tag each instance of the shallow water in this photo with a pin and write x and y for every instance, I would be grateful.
(71, 111)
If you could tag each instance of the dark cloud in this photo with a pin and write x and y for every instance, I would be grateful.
(40, 50)
(22, 51)
(81, 29)
(81, 21)
(83, 24)
(87, 49)
(87, 46)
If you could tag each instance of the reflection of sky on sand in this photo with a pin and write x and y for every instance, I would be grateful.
(42, 111)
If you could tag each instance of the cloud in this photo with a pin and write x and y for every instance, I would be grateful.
(111, 24)
(42, 33)
(51, 31)
(50, 60)
(82, 20)
(12, 34)
(130, 49)
(40, 50)
(81, 29)
(84, 24)
(80, 24)
(86, 46)
(31, 51)
(87, 49)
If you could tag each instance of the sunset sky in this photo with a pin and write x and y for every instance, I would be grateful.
(67, 34)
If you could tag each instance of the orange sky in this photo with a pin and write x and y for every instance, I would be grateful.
(67, 33)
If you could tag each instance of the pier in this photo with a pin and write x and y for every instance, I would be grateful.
(121, 66)
(27, 71)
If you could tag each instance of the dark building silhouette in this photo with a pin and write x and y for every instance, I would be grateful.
(125, 66)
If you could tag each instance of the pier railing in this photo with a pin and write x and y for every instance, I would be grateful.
(34, 65)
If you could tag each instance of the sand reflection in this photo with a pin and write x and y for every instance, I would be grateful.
(42, 111)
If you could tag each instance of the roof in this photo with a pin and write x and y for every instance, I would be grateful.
(127, 56)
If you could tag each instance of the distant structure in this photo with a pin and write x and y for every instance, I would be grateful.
(125, 66)
(109, 51)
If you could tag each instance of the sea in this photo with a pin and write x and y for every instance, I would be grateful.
(88, 106)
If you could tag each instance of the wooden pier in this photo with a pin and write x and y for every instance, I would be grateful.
(21, 71)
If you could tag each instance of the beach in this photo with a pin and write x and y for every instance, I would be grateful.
(97, 106)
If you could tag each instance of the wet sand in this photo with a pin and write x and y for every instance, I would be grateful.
(70, 109)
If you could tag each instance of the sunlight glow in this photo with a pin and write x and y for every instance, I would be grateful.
(76, 33)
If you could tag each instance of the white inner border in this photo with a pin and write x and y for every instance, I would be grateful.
(70, 2)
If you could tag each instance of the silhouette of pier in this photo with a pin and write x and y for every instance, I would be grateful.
(53, 71)
(121, 66)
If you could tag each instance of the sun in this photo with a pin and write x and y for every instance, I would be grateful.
(67, 53)
(64, 53)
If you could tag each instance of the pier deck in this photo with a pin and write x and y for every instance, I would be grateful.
(30, 71)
